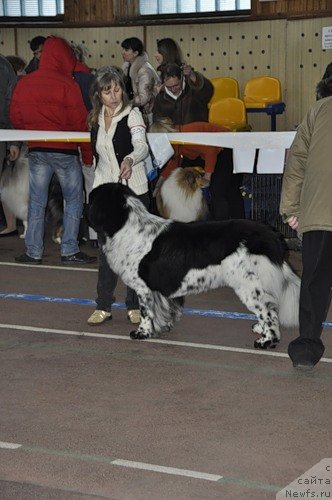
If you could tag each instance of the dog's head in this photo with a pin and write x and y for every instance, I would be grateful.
(108, 209)
(190, 179)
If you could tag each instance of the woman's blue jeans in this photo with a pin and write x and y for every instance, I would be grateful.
(42, 165)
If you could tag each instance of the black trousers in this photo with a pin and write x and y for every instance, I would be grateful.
(316, 282)
(226, 198)
(315, 294)
(107, 279)
(226, 201)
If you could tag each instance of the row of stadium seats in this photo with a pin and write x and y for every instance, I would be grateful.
(261, 95)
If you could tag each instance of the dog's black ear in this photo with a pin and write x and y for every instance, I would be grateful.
(95, 215)
(108, 210)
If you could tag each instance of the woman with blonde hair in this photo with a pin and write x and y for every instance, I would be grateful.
(119, 144)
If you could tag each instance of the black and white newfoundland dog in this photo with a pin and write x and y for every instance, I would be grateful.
(164, 260)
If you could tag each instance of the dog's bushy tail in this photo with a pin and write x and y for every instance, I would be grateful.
(289, 298)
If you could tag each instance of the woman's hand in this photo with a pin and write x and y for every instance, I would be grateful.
(126, 168)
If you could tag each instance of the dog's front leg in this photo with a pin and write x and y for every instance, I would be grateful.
(145, 329)
(25, 226)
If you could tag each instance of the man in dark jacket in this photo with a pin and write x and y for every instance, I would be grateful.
(50, 99)
(184, 96)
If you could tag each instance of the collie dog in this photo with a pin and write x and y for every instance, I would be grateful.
(14, 187)
(181, 197)
(14, 192)
(164, 260)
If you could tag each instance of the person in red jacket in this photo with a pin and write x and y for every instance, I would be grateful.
(49, 99)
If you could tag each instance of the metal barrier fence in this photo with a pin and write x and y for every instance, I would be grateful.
(262, 198)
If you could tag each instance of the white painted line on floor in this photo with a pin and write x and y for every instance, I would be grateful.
(174, 471)
(167, 470)
(9, 446)
(54, 267)
(212, 347)
(130, 464)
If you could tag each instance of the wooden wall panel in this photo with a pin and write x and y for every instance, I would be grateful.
(88, 11)
(238, 50)
(291, 50)
(288, 49)
(7, 42)
(289, 8)
(111, 11)
(306, 63)
(125, 9)
(103, 44)
(99, 11)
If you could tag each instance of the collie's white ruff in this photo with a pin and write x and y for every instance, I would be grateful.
(14, 188)
(180, 196)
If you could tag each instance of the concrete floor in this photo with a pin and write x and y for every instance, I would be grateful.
(198, 414)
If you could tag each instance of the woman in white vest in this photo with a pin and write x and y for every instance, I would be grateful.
(118, 139)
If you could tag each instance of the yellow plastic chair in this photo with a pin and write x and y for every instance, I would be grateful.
(230, 112)
(263, 95)
(261, 91)
(224, 87)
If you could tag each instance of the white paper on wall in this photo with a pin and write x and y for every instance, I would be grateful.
(327, 37)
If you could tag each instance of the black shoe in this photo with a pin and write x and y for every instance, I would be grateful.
(26, 259)
(305, 352)
(78, 258)
(11, 233)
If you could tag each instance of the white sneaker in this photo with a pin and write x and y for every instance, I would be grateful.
(98, 317)
(134, 316)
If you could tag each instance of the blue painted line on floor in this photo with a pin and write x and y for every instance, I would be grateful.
(211, 313)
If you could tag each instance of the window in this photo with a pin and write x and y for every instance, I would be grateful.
(155, 7)
(33, 8)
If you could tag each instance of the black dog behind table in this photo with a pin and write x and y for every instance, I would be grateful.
(164, 260)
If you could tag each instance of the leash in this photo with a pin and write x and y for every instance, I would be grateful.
(120, 181)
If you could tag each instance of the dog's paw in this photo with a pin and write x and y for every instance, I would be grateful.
(265, 344)
(257, 329)
(138, 335)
